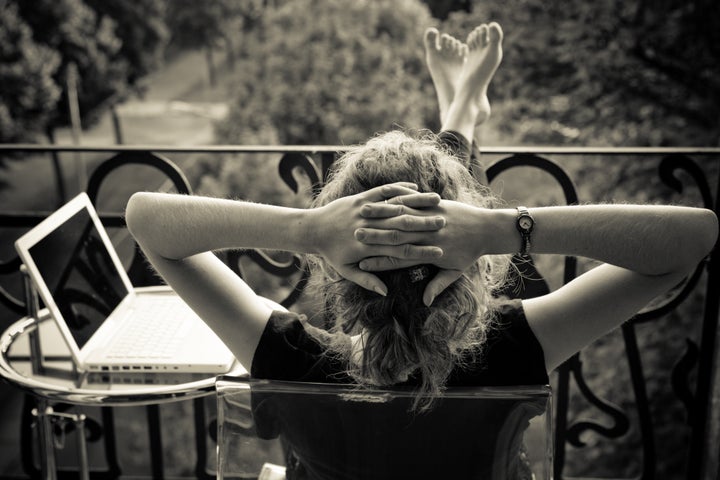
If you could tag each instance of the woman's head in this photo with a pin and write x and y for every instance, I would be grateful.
(401, 336)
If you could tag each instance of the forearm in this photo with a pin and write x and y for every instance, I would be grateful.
(179, 226)
(652, 240)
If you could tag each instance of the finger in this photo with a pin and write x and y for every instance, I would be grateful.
(388, 210)
(406, 229)
(438, 284)
(376, 236)
(366, 280)
(397, 253)
(416, 200)
(379, 194)
(383, 264)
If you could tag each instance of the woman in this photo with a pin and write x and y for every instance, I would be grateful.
(409, 254)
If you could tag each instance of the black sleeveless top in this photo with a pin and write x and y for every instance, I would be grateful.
(512, 354)
(457, 439)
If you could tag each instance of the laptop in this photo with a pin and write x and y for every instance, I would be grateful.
(106, 323)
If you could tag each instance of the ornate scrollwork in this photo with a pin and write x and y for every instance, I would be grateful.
(667, 170)
(621, 423)
(137, 270)
(680, 374)
(572, 433)
(291, 161)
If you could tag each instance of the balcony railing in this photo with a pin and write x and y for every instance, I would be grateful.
(688, 176)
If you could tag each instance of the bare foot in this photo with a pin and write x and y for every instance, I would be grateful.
(484, 55)
(445, 57)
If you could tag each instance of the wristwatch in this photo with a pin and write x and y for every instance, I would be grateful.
(524, 223)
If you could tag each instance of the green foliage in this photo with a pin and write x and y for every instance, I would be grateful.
(73, 29)
(582, 73)
(440, 9)
(140, 25)
(112, 48)
(196, 24)
(332, 72)
(28, 94)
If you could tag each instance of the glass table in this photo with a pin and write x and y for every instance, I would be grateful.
(34, 358)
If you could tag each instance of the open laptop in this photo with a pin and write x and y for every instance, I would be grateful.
(107, 324)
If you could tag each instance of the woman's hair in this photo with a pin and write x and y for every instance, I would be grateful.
(401, 337)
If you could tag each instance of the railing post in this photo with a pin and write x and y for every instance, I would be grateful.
(704, 459)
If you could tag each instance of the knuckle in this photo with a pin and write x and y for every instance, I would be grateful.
(394, 237)
(407, 250)
(368, 264)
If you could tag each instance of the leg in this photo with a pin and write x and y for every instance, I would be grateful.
(470, 104)
(445, 56)
(446, 60)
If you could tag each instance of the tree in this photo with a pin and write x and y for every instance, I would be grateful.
(333, 72)
(112, 49)
(605, 73)
(29, 94)
(83, 39)
(441, 9)
(204, 24)
(141, 27)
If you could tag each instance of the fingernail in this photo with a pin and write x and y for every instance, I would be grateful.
(360, 234)
(440, 222)
(437, 252)
(427, 300)
(380, 291)
(362, 266)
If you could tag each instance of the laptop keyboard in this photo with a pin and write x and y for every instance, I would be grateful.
(155, 330)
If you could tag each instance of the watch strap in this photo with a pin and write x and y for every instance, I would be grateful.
(525, 233)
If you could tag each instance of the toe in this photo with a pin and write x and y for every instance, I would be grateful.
(483, 36)
(431, 38)
(495, 33)
(463, 52)
(457, 46)
(446, 42)
(477, 36)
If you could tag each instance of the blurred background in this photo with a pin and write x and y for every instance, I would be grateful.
(601, 73)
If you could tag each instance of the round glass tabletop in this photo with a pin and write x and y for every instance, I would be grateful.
(56, 379)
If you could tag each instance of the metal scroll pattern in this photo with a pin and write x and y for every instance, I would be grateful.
(573, 366)
(99, 176)
(567, 430)
(668, 168)
(288, 268)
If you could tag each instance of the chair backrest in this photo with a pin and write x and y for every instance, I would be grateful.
(311, 430)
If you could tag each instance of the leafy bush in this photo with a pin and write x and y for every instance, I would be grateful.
(333, 72)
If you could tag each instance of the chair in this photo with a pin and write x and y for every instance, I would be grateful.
(278, 429)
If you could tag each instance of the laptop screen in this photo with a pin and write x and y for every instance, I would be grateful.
(80, 274)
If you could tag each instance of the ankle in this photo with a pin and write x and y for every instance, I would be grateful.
(461, 117)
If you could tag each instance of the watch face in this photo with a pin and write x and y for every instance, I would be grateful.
(525, 223)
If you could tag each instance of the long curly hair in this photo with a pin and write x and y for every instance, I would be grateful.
(400, 338)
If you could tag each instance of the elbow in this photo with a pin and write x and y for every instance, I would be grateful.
(710, 234)
(137, 216)
(701, 238)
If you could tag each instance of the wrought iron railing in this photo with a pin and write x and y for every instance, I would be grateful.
(694, 172)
